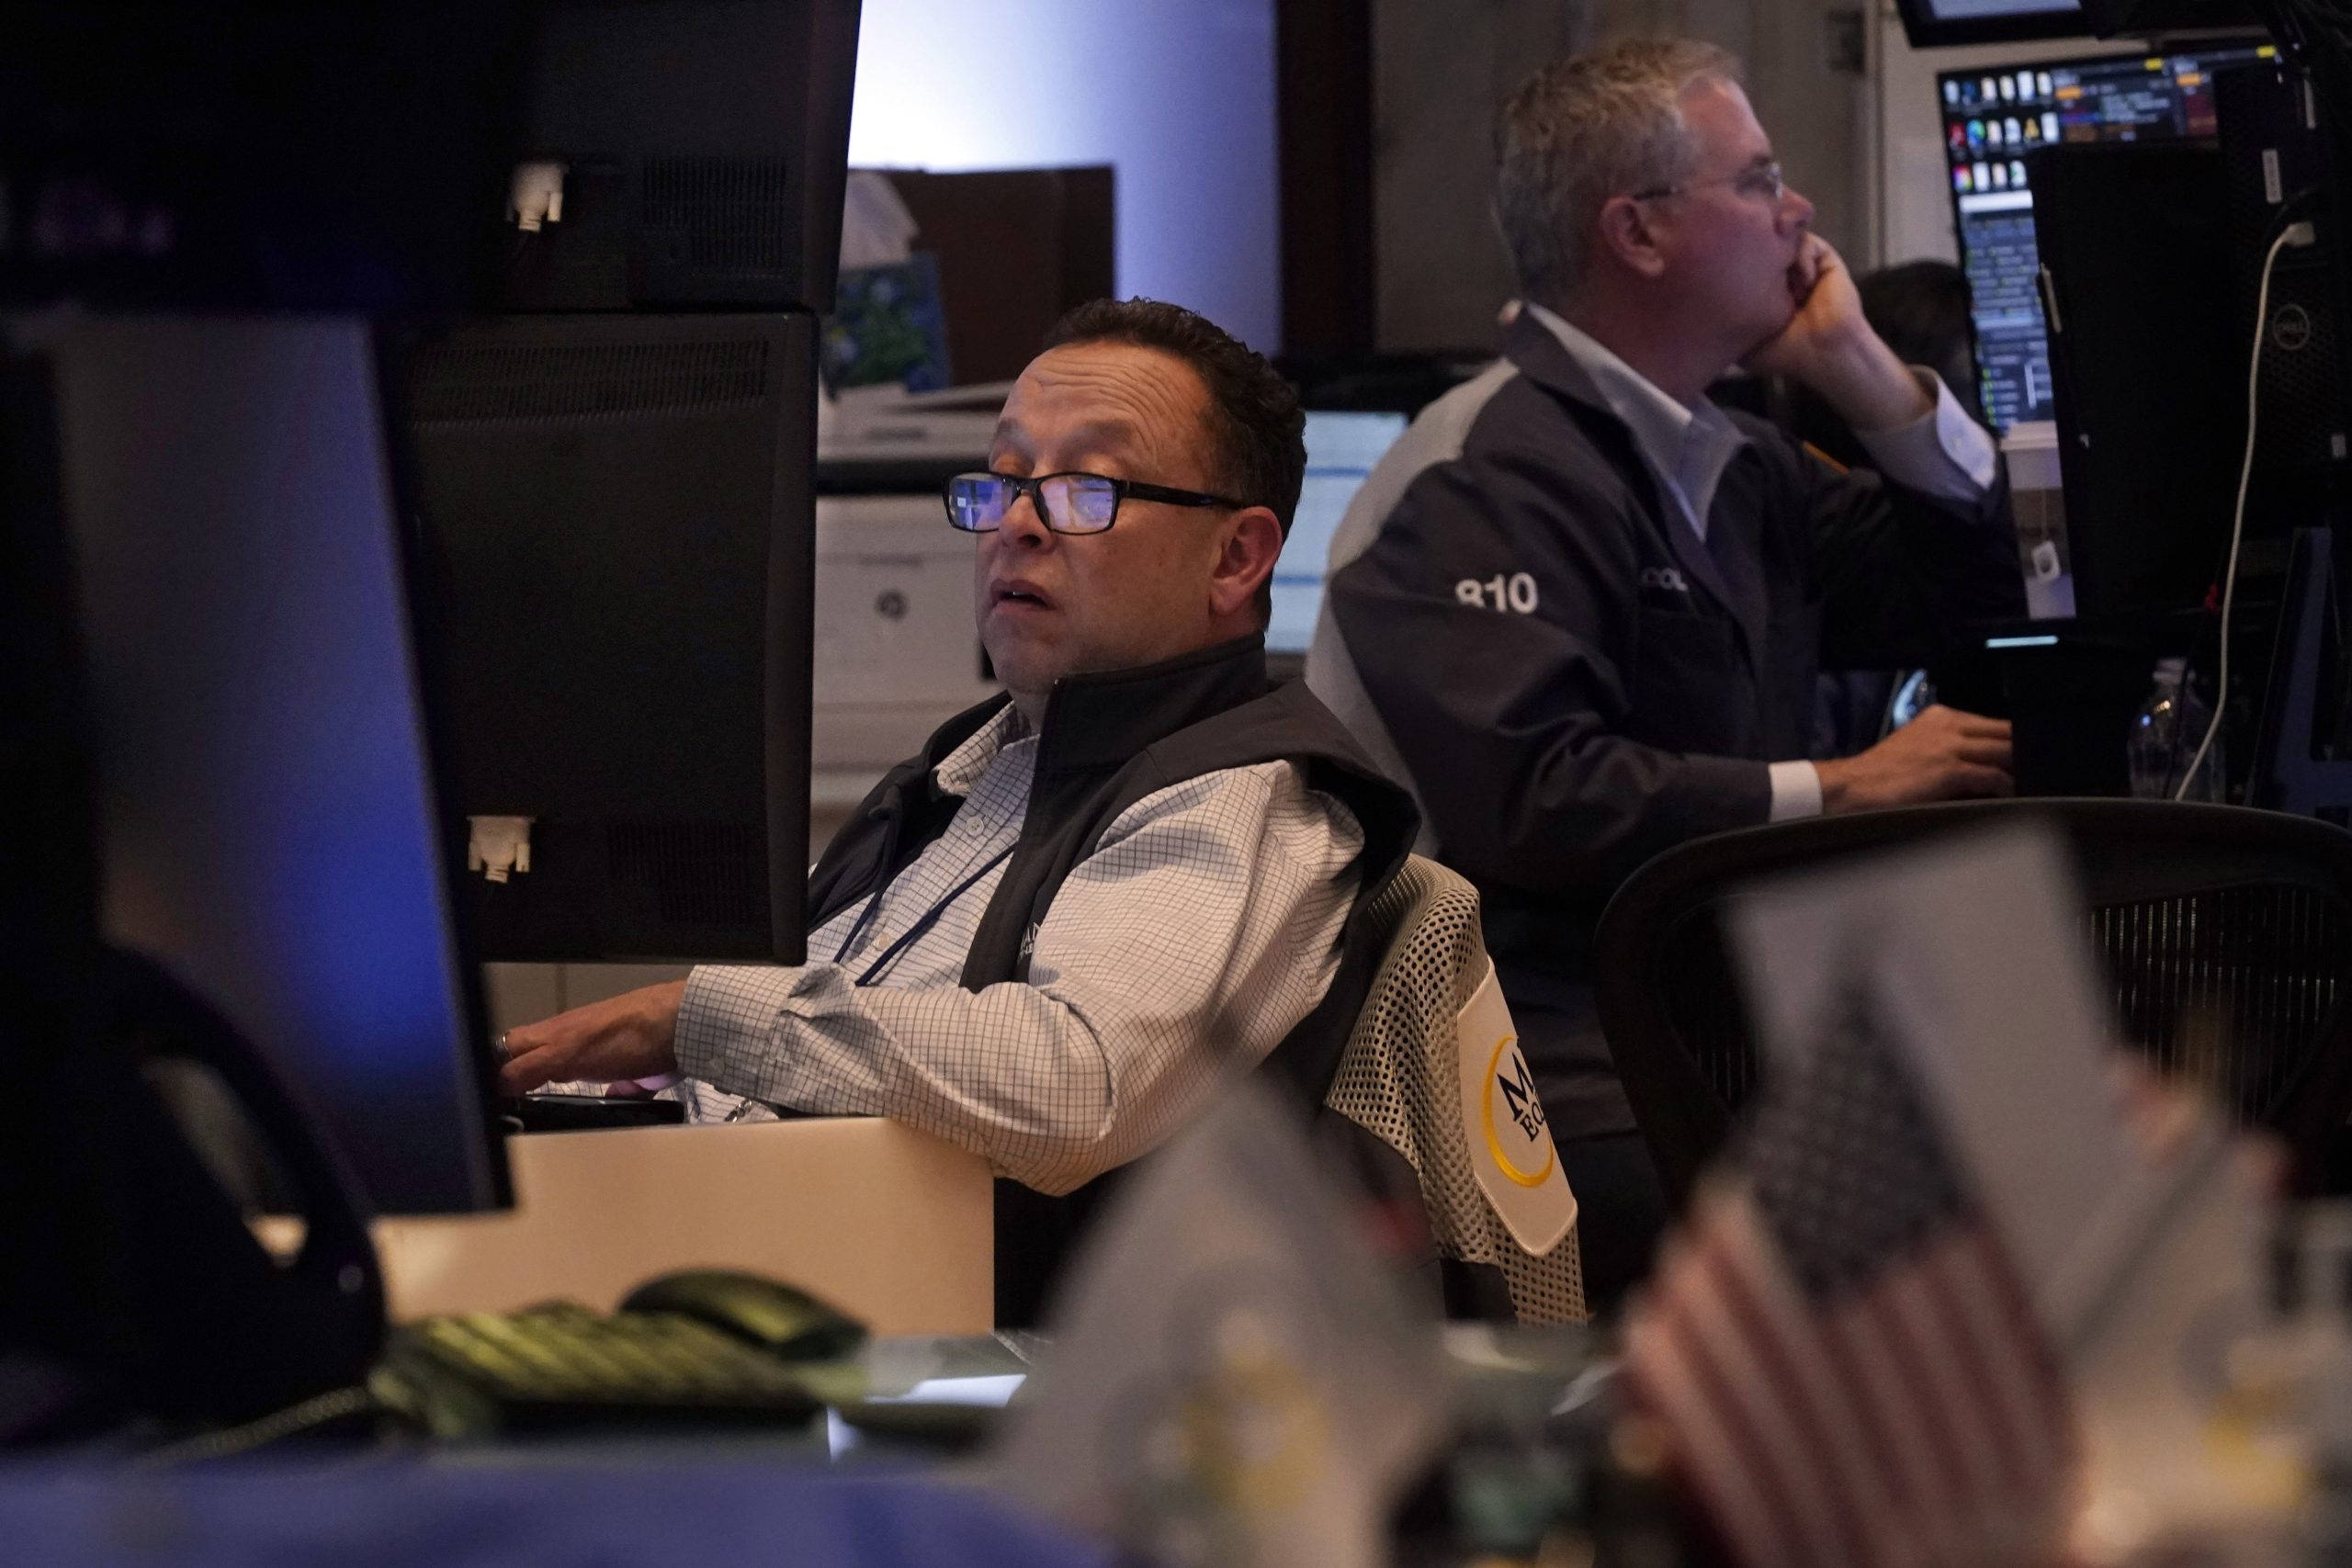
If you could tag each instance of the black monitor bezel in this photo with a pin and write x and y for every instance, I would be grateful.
(1926, 30)
(436, 728)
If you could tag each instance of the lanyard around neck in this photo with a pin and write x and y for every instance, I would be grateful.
(923, 922)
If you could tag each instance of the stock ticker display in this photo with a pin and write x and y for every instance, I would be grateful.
(1992, 118)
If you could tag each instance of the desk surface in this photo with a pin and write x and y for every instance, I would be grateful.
(886, 1223)
(659, 1509)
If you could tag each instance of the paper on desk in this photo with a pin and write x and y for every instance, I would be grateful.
(1235, 1380)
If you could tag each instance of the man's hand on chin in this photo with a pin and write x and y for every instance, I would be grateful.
(631, 1036)
(1828, 344)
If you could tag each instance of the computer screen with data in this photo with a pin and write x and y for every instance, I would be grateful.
(1342, 448)
(1992, 118)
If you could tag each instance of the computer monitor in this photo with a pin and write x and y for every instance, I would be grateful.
(2150, 368)
(257, 156)
(1930, 23)
(618, 530)
(703, 145)
(266, 802)
(1342, 448)
(1992, 119)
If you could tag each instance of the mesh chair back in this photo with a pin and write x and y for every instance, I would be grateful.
(2224, 936)
(1399, 1081)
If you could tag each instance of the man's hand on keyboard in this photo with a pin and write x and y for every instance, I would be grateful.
(630, 1036)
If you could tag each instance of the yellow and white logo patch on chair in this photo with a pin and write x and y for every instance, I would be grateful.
(1403, 1080)
(1503, 1122)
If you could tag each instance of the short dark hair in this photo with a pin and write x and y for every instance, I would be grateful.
(1258, 436)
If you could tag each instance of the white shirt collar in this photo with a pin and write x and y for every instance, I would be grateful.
(1657, 421)
(1686, 448)
(961, 769)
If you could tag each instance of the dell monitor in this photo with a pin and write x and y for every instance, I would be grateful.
(2151, 375)
(265, 801)
(615, 548)
(1343, 445)
(1993, 120)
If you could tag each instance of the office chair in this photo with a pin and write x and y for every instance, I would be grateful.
(2225, 935)
(1398, 1080)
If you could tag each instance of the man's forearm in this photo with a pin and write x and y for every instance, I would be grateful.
(1943, 455)
(1011, 1073)
(1867, 384)
(1173, 953)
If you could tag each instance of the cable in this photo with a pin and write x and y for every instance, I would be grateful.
(335, 1405)
(2297, 235)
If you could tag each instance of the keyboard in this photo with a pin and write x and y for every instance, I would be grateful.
(585, 1112)
(563, 1366)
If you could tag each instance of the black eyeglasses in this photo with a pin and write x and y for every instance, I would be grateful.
(1766, 182)
(1070, 504)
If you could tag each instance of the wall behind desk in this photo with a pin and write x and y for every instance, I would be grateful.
(1178, 95)
(1016, 248)
(1441, 72)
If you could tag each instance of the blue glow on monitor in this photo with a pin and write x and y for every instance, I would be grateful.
(267, 814)
(1342, 450)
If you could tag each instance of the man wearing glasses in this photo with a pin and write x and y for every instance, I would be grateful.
(1581, 607)
(1050, 935)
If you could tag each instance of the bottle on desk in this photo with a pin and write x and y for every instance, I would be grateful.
(2165, 734)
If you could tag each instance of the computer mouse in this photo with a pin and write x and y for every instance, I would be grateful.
(787, 1323)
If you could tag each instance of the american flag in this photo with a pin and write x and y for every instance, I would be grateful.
(1842, 1358)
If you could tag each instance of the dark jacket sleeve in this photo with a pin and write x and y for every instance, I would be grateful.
(1903, 576)
(1510, 712)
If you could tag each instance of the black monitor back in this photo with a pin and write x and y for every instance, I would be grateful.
(321, 156)
(253, 155)
(265, 805)
(2276, 164)
(706, 143)
(617, 533)
(2149, 382)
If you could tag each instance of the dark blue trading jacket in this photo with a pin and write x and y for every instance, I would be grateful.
(1521, 626)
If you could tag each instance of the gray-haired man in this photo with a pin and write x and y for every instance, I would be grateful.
(1581, 607)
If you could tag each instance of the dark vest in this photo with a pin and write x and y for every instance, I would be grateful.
(1108, 741)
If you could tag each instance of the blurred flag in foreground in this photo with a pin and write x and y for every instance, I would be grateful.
(1235, 1380)
(1840, 1345)
(1865, 1345)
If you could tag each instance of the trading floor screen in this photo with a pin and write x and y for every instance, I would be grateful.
(1992, 118)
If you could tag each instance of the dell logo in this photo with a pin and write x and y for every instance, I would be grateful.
(2290, 329)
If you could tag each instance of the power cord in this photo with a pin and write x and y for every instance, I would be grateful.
(2292, 235)
(322, 1410)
